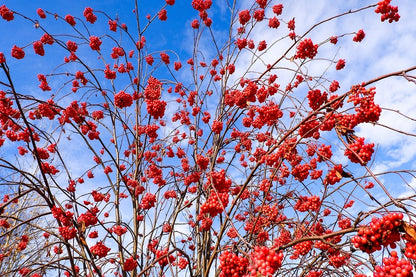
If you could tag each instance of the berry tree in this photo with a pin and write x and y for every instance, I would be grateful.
(236, 156)
(15, 246)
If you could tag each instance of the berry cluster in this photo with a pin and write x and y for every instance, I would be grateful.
(46, 109)
(380, 232)
(148, 201)
(24, 271)
(321, 244)
(274, 22)
(232, 265)
(89, 218)
(310, 128)
(358, 152)
(301, 249)
(244, 17)
(387, 11)
(6, 13)
(95, 43)
(4, 223)
(308, 203)
(340, 64)
(316, 98)
(64, 217)
(164, 258)
(393, 266)
(344, 223)
(206, 224)
(202, 162)
(410, 250)
(271, 214)
(156, 108)
(23, 243)
(334, 86)
(43, 83)
(359, 36)
(117, 52)
(7, 112)
(267, 115)
(75, 112)
(306, 49)
(151, 131)
(129, 264)
(219, 181)
(18, 52)
(338, 259)
(38, 48)
(334, 175)
(152, 94)
(165, 58)
(122, 100)
(214, 205)
(284, 238)
(118, 230)
(217, 127)
(89, 15)
(242, 98)
(264, 261)
(314, 273)
(99, 249)
(363, 99)
(109, 74)
(67, 233)
(182, 263)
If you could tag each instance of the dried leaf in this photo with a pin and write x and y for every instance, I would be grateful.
(339, 175)
(410, 231)
(348, 133)
(83, 242)
(83, 227)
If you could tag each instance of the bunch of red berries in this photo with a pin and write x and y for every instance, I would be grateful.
(129, 264)
(163, 257)
(392, 266)
(338, 259)
(387, 11)
(264, 261)
(99, 249)
(232, 265)
(314, 273)
(410, 250)
(316, 98)
(301, 249)
(308, 203)
(182, 263)
(334, 175)
(380, 232)
(306, 49)
(148, 201)
(358, 152)
(214, 205)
